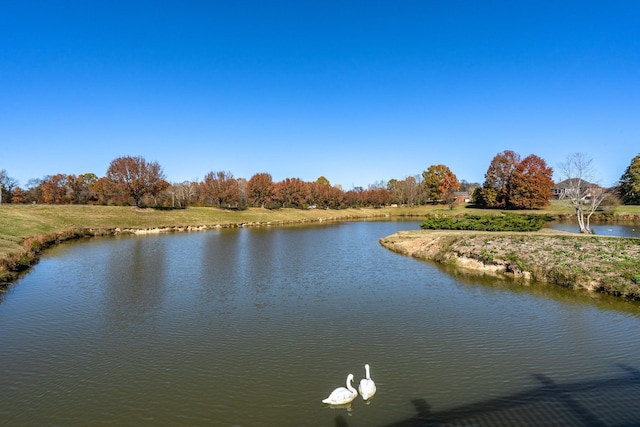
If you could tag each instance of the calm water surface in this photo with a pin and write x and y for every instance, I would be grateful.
(254, 327)
(624, 230)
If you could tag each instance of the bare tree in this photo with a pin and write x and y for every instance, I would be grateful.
(182, 193)
(411, 189)
(136, 177)
(579, 188)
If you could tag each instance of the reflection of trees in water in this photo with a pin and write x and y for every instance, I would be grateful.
(221, 269)
(246, 263)
(135, 279)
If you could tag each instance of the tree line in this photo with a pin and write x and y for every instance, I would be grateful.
(511, 182)
(132, 180)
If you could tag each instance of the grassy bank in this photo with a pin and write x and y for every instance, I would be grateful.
(27, 230)
(609, 265)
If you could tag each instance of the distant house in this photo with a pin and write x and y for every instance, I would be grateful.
(462, 197)
(583, 187)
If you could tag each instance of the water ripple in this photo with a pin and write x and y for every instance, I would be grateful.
(255, 327)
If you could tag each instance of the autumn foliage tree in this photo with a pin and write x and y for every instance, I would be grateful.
(447, 188)
(101, 190)
(292, 193)
(221, 188)
(323, 194)
(512, 183)
(495, 192)
(377, 196)
(66, 189)
(136, 177)
(54, 189)
(531, 184)
(17, 196)
(260, 189)
(440, 183)
(83, 188)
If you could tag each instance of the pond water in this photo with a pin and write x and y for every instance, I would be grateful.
(620, 230)
(255, 326)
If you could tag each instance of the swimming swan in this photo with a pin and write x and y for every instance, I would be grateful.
(342, 395)
(367, 387)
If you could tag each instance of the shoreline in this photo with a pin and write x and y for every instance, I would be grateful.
(40, 227)
(19, 261)
(605, 264)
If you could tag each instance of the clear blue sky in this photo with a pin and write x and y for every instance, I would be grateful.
(356, 91)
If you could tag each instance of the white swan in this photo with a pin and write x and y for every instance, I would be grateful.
(342, 395)
(367, 387)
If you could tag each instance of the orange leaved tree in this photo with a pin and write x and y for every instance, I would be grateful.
(531, 184)
(512, 183)
(260, 189)
(440, 183)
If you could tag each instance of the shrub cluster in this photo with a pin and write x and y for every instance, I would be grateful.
(503, 222)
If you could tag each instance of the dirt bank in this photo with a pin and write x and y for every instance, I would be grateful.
(604, 264)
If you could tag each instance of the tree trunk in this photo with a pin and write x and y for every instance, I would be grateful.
(584, 225)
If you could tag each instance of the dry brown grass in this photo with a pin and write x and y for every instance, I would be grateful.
(605, 264)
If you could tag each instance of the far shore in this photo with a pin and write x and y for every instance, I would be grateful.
(26, 231)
